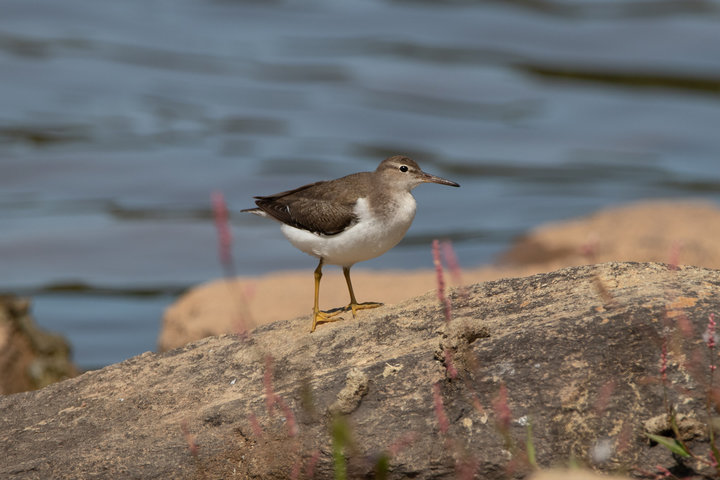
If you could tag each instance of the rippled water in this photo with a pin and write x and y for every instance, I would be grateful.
(119, 119)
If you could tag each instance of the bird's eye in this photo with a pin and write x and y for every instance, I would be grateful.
(403, 168)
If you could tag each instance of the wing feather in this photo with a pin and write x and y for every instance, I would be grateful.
(315, 207)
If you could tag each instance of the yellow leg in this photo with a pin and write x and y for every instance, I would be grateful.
(318, 315)
(354, 305)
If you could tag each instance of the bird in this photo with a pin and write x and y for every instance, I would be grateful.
(348, 220)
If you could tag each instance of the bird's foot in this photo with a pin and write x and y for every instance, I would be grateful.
(328, 316)
(361, 306)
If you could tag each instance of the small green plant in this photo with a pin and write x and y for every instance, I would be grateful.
(675, 444)
(677, 321)
(341, 438)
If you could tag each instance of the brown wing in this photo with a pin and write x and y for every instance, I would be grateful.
(318, 207)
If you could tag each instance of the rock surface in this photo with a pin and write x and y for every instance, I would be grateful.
(658, 231)
(231, 306)
(574, 353)
(30, 357)
(572, 474)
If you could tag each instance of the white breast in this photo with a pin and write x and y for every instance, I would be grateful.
(369, 238)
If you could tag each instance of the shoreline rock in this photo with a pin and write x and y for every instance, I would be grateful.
(30, 357)
(575, 351)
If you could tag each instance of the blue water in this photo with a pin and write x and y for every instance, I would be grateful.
(119, 119)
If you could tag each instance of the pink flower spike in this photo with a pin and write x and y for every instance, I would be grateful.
(503, 416)
(438, 268)
(295, 472)
(454, 267)
(189, 438)
(440, 410)
(310, 468)
(710, 338)
(477, 405)
(220, 213)
(452, 262)
(663, 361)
(289, 417)
(255, 425)
(664, 472)
(270, 397)
(710, 334)
(449, 365)
(466, 468)
(401, 443)
(675, 250)
(440, 280)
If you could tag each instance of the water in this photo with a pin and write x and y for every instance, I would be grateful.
(119, 119)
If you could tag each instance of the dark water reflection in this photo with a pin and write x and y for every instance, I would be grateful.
(118, 120)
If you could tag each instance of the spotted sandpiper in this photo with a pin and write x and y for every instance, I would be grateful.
(348, 220)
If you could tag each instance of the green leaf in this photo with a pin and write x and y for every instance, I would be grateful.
(670, 443)
(382, 467)
(530, 446)
(340, 434)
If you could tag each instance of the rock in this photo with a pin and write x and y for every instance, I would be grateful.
(570, 359)
(232, 306)
(30, 357)
(574, 474)
(659, 231)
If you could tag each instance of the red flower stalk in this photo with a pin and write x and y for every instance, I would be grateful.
(448, 253)
(466, 468)
(400, 443)
(289, 416)
(440, 410)
(189, 438)
(710, 334)
(255, 425)
(270, 397)
(310, 468)
(503, 416)
(220, 213)
(449, 365)
(663, 472)
(477, 405)
(222, 225)
(674, 259)
(454, 267)
(663, 362)
(295, 472)
(711, 341)
(440, 279)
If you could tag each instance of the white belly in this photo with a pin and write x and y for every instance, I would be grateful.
(369, 238)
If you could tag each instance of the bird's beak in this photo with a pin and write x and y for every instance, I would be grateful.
(427, 178)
